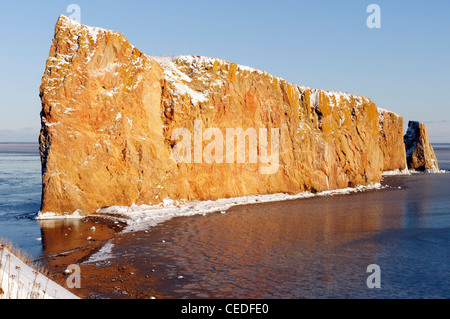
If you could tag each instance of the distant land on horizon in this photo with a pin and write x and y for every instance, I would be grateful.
(14, 147)
(23, 135)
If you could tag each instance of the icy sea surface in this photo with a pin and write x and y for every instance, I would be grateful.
(307, 248)
(20, 196)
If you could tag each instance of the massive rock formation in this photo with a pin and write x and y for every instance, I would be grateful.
(110, 117)
(391, 140)
(419, 152)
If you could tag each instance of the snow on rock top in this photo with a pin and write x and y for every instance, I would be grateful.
(382, 111)
(171, 65)
(120, 108)
(92, 31)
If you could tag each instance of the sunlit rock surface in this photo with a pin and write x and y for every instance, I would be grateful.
(109, 112)
(419, 152)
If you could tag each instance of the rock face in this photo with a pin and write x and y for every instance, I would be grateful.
(391, 140)
(111, 118)
(419, 152)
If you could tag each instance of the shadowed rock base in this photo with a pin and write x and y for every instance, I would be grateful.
(419, 152)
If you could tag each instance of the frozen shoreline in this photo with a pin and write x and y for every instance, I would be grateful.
(141, 218)
(169, 260)
(406, 171)
(136, 214)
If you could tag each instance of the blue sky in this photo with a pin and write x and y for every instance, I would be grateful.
(404, 66)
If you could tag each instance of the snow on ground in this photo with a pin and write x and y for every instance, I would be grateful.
(20, 281)
(145, 216)
(51, 215)
(139, 218)
(103, 254)
(142, 217)
(406, 171)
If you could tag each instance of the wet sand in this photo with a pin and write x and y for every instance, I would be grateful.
(306, 248)
(150, 263)
(66, 242)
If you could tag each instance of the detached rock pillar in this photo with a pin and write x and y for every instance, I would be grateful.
(419, 152)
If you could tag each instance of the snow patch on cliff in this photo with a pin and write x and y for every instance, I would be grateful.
(383, 111)
(92, 31)
(178, 79)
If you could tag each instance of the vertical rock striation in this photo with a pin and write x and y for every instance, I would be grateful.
(109, 113)
(419, 152)
(391, 140)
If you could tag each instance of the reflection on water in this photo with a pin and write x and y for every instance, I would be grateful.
(309, 248)
(59, 236)
(20, 198)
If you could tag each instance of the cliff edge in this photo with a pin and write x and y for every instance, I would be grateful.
(118, 126)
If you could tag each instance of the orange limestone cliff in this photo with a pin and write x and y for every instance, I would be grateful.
(113, 120)
(420, 155)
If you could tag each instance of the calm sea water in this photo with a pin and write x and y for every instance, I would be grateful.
(309, 248)
(20, 196)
